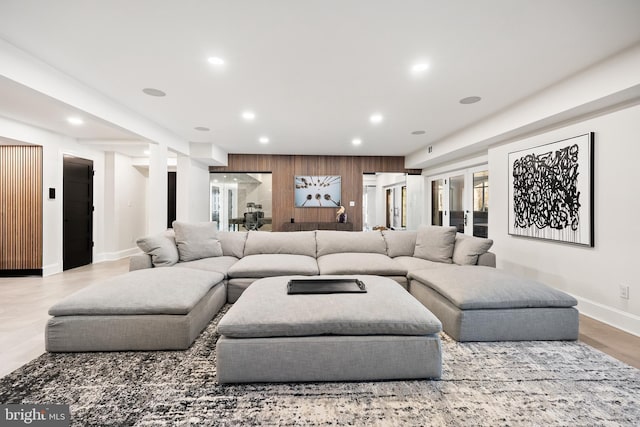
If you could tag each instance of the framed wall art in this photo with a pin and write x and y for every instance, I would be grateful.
(551, 191)
(322, 191)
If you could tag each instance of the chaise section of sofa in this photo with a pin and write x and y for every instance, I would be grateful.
(150, 309)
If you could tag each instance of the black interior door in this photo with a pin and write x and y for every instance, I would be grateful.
(77, 212)
(171, 199)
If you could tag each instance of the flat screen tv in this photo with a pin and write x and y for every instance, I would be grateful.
(321, 191)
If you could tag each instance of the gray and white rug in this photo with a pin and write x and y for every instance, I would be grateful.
(525, 383)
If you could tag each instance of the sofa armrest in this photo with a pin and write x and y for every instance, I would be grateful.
(487, 259)
(139, 262)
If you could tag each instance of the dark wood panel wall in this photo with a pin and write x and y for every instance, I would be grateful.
(285, 168)
(20, 208)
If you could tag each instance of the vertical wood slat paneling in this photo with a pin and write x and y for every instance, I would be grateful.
(284, 168)
(20, 207)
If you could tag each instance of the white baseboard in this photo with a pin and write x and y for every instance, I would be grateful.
(51, 269)
(113, 256)
(611, 316)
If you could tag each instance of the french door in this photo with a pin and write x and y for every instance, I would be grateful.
(461, 199)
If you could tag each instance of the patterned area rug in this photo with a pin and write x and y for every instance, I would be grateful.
(525, 383)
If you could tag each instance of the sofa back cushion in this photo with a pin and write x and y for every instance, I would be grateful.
(400, 243)
(435, 243)
(232, 242)
(467, 249)
(197, 240)
(331, 242)
(161, 247)
(294, 243)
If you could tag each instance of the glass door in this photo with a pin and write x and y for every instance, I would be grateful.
(461, 199)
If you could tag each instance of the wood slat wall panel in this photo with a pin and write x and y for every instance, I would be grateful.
(20, 208)
(285, 168)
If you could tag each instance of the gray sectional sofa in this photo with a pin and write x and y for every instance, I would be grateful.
(450, 274)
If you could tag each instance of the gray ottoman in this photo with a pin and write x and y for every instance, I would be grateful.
(269, 336)
(478, 303)
(149, 309)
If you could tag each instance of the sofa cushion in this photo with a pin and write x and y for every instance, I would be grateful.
(151, 291)
(220, 264)
(197, 240)
(265, 310)
(162, 249)
(467, 249)
(268, 265)
(232, 242)
(476, 287)
(412, 263)
(294, 243)
(331, 242)
(400, 243)
(435, 243)
(360, 263)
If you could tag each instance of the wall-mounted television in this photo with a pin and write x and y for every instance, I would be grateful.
(323, 191)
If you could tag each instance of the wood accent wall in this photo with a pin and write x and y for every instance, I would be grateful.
(20, 207)
(285, 168)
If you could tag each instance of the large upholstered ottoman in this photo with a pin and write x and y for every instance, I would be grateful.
(270, 336)
(150, 309)
(478, 303)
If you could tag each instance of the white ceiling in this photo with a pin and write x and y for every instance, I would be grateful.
(313, 71)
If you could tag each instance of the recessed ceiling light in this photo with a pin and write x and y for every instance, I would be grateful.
(418, 132)
(147, 152)
(214, 60)
(153, 92)
(248, 115)
(356, 141)
(76, 121)
(376, 118)
(419, 67)
(263, 140)
(470, 100)
(202, 128)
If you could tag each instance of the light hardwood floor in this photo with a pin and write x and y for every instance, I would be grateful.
(24, 303)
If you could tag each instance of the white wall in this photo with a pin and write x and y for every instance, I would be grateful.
(125, 206)
(592, 275)
(192, 191)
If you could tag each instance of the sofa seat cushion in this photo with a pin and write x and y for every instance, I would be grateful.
(476, 287)
(220, 264)
(172, 290)
(360, 263)
(268, 265)
(412, 263)
(386, 309)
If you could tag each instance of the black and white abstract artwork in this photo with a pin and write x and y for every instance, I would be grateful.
(551, 191)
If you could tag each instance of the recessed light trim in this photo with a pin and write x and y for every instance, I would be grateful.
(376, 118)
(470, 100)
(76, 121)
(215, 60)
(202, 128)
(154, 92)
(419, 67)
(248, 115)
(263, 140)
(356, 141)
(418, 132)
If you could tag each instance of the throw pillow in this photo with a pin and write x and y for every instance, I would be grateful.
(162, 249)
(435, 243)
(467, 249)
(197, 240)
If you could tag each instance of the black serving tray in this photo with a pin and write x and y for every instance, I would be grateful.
(325, 286)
